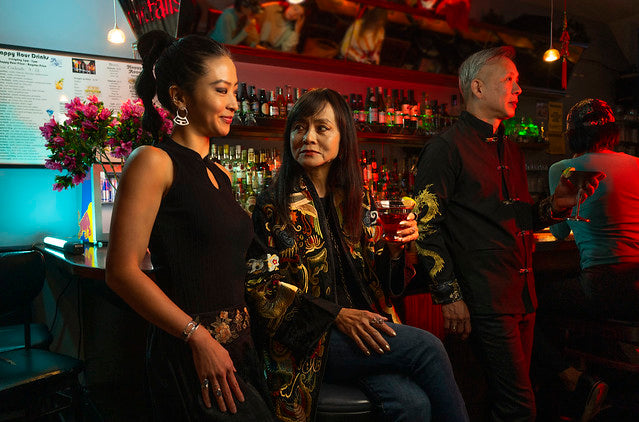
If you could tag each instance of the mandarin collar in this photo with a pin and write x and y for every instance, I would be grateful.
(483, 129)
(186, 150)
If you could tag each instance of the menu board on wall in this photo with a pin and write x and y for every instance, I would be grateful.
(36, 84)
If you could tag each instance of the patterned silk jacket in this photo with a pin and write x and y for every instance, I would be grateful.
(291, 290)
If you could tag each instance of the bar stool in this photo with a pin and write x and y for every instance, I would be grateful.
(344, 403)
(609, 343)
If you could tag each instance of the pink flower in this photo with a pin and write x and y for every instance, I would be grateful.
(78, 178)
(90, 111)
(48, 129)
(104, 114)
(53, 165)
(58, 187)
(89, 125)
(93, 99)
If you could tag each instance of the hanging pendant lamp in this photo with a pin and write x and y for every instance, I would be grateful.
(116, 35)
(552, 54)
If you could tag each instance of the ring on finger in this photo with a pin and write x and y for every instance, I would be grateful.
(376, 321)
(205, 384)
(218, 392)
(453, 328)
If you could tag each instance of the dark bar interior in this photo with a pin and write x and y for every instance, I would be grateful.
(531, 289)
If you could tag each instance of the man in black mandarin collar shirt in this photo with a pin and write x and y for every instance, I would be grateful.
(476, 220)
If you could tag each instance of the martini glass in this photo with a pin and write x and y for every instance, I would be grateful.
(579, 179)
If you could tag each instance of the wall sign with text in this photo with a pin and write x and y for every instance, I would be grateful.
(36, 84)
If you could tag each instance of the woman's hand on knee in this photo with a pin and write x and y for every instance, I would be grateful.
(216, 371)
(365, 328)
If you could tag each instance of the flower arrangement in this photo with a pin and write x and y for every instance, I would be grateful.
(92, 135)
(127, 134)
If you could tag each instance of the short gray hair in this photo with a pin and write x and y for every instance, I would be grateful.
(473, 64)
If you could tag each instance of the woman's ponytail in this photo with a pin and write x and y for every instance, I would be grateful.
(150, 46)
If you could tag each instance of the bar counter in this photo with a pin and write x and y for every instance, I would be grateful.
(554, 260)
(97, 326)
(90, 264)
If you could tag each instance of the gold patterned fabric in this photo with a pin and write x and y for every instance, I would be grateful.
(225, 326)
(291, 292)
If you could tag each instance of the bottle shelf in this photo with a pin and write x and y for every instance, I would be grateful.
(269, 129)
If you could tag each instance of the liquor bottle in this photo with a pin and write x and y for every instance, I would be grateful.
(363, 112)
(369, 170)
(240, 194)
(230, 161)
(399, 116)
(290, 102)
(251, 166)
(373, 110)
(382, 184)
(454, 106)
(406, 106)
(390, 108)
(242, 166)
(273, 109)
(427, 122)
(414, 108)
(254, 102)
(381, 106)
(436, 116)
(224, 160)
(243, 100)
(363, 162)
(353, 103)
(213, 152)
(250, 198)
(281, 103)
(374, 168)
(264, 104)
(445, 118)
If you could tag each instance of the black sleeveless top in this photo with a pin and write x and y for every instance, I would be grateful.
(200, 236)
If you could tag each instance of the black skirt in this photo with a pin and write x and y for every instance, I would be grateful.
(174, 386)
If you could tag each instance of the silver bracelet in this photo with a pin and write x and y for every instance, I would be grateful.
(189, 330)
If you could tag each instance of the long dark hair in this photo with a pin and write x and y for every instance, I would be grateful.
(167, 62)
(344, 172)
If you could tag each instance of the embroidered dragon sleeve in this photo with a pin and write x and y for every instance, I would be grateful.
(435, 179)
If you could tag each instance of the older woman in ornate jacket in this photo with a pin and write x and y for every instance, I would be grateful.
(316, 282)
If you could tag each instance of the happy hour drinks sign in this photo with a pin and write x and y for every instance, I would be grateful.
(35, 85)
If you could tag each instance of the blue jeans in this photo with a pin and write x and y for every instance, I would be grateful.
(410, 383)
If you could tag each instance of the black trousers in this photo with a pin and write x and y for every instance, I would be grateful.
(503, 344)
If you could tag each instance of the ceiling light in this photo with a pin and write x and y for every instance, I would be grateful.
(551, 54)
(116, 35)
